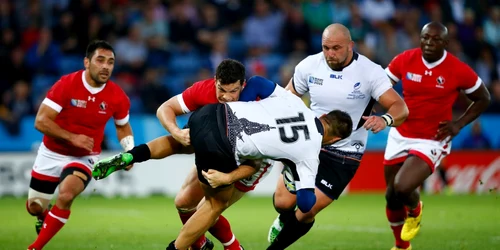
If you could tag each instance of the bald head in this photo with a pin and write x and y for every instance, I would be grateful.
(437, 27)
(337, 31)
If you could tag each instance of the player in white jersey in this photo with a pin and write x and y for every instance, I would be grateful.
(337, 78)
(280, 127)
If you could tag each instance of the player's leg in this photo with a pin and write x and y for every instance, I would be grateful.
(74, 178)
(395, 210)
(406, 182)
(40, 194)
(216, 201)
(284, 203)
(333, 176)
(186, 201)
(158, 148)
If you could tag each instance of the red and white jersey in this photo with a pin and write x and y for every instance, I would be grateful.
(430, 89)
(198, 95)
(84, 109)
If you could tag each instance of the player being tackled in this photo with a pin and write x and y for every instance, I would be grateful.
(106, 167)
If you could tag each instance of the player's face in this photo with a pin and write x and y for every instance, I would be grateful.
(432, 44)
(228, 92)
(101, 65)
(336, 51)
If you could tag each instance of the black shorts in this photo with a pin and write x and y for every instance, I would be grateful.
(334, 173)
(212, 150)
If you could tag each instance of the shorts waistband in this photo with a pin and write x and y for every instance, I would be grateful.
(344, 156)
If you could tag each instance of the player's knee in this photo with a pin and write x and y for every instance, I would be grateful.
(34, 208)
(283, 202)
(401, 189)
(184, 205)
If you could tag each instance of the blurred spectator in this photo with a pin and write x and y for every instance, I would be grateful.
(152, 92)
(65, 35)
(151, 26)
(477, 139)
(182, 25)
(209, 29)
(16, 104)
(376, 11)
(131, 51)
(318, 14)
(262, 29)
(495, 97)
(296, 33)
(341, 11)
(44, 56)
(492, 27)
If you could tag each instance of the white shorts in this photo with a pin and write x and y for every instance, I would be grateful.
(249, 183)
(49, 165)
(398, 148)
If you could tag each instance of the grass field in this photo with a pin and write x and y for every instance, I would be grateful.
(355, 222)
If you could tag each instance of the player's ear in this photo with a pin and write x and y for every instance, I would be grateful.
(351, 46)
(86, 62)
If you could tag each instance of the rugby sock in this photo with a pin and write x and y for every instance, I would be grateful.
(396, 220)
(200, 241)
(221, 230)
(292, 230)
(414, 212)
(54, 221)
(140, 153)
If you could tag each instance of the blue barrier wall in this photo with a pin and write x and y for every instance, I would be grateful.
(147, 127)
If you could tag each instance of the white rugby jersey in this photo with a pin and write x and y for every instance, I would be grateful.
(350, 90)
(278, 127)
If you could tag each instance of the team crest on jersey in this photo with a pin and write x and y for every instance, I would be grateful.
(440, 82)
(103, 106)
(315, 80)
(78, 103)
(356, 94)
(414, 77)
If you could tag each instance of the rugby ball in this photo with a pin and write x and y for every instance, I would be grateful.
(288, 179)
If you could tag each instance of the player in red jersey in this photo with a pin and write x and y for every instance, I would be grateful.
(72, 118)
(227, 86)
(432, 79)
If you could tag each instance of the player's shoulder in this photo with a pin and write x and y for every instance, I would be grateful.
(72, 78)
(311, 62)
(203, 85)
(365, 62)
(115, 90)
(410, 54)
(454, 61)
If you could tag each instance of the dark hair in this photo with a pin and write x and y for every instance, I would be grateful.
(339, 124)
(97, 44)
(230, 71)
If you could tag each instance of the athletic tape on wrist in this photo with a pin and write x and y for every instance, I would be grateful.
(388, 119)
(127, 142)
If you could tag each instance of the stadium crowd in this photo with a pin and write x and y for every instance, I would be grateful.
(164, 46)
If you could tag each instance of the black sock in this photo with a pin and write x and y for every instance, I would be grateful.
(292, 230)
(140, 153)
(171, 246)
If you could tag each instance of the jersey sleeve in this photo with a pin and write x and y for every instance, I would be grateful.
(380, 83)
(190, 98)
(57, 96)
(307, 170)
(468, 80)
(394, 69)
(121, 115)
(257, 87)
(300, 76)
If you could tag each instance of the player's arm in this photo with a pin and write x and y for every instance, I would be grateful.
(167, 114)
(291, 88)
(45, 123)
(125, 136)
(248, 168)
(480, 101)
(395, 106)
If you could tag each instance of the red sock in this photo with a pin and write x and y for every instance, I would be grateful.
(415, 212)
(54, 221)
(200, 241)
(397, 219)
(221, 230)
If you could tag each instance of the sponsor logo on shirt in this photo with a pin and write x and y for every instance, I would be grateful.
(78, 103)
(315, 80)
(358, 145)
(414, 77)
(356, 94)
(339, 77)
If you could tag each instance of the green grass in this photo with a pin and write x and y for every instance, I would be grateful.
(354, 222)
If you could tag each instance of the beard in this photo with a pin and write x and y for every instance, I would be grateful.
(337, 66)
(97, 79)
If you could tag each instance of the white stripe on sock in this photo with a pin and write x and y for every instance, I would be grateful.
(395, 224)
(58, 218)
(229, 242)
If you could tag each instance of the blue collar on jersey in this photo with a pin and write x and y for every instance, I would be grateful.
(319, 126)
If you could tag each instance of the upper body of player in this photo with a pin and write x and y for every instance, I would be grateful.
(282, 128)
(432, 79)
(340, 78)
(76, 109)
(228, 85)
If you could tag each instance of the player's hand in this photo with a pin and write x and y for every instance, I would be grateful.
(216, 178)
(374, 123)
(127, 168)
(447, 130)
(83, 141)
(183, 137)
